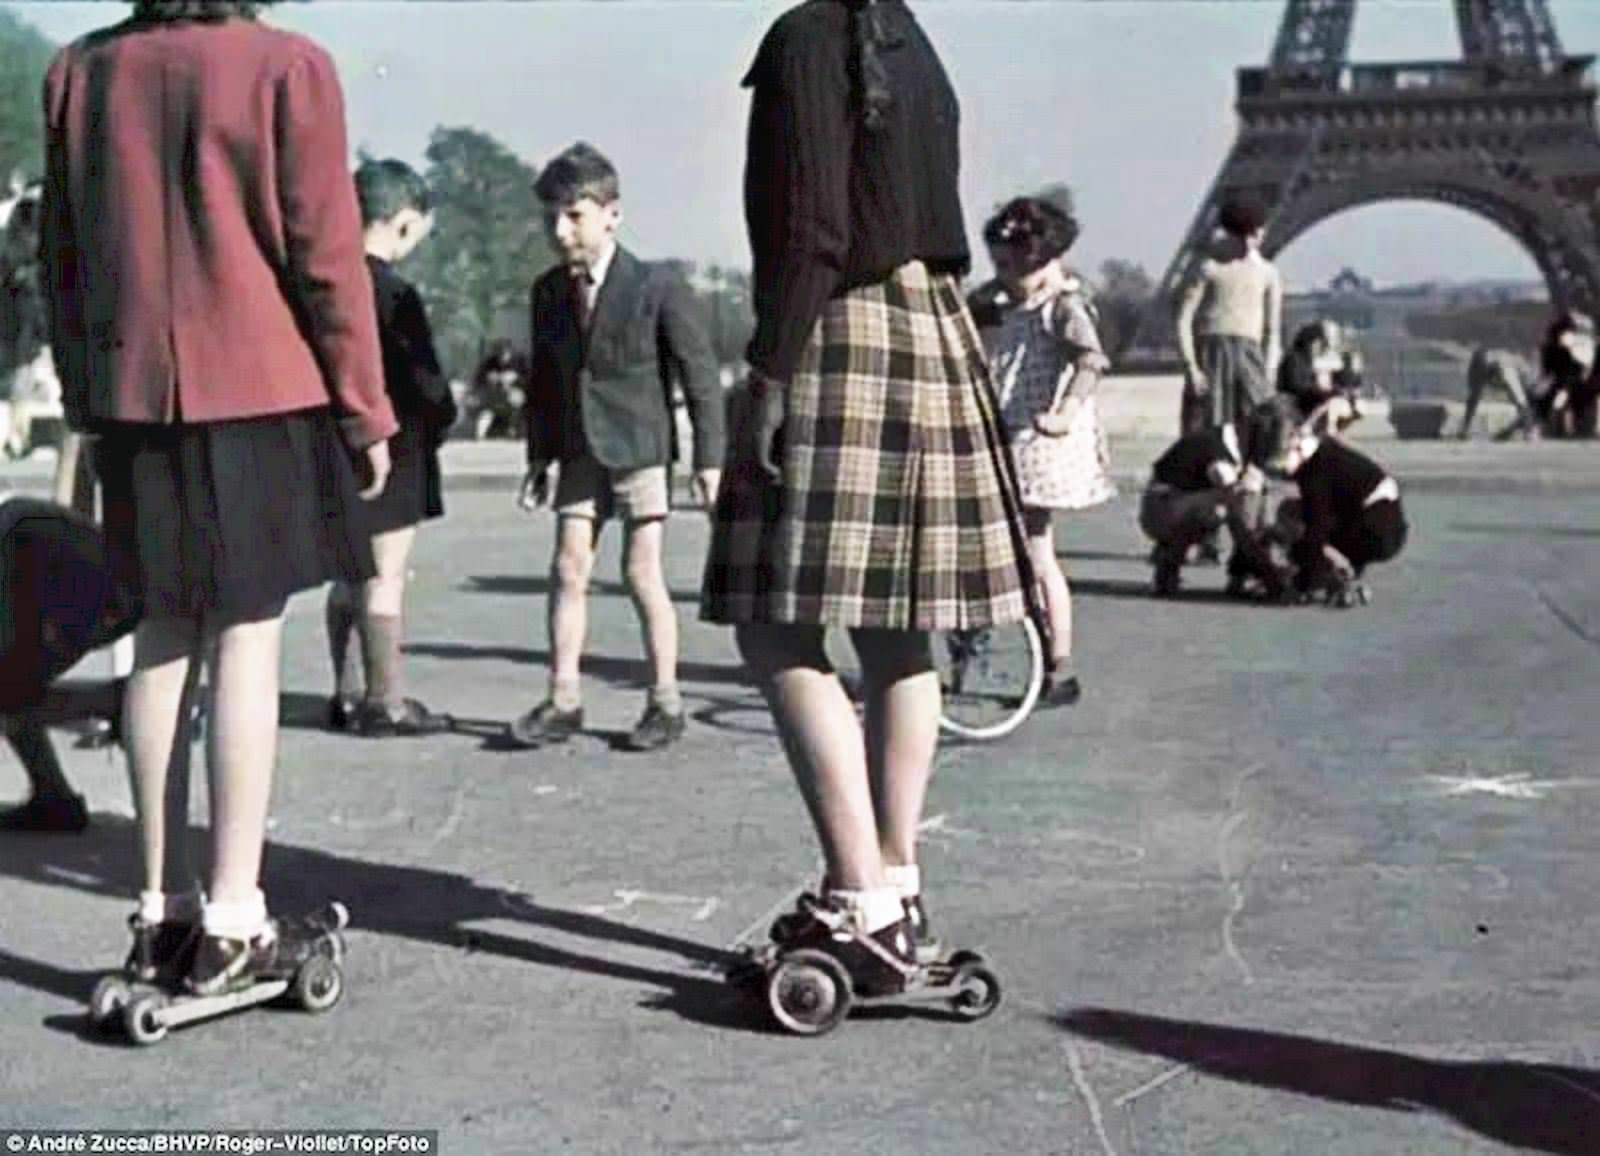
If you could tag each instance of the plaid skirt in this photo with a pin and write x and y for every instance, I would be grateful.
(898, 506)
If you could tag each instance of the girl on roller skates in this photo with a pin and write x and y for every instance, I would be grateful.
(219, 336)
(867, 487)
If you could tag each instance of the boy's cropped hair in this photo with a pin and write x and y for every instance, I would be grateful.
(1038, 230)
(208, 10)
(387, 187)
(1241, 215)
(579, 171)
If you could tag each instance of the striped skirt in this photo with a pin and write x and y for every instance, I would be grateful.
(897, 506)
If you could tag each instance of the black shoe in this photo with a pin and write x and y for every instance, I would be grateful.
(880, 963)
(162, 953)
(341, 714)
(47, 814)
(221, 965)
(1168, 572)
(544, 725)
(1060, 691)
(658, 728)
(410, 719)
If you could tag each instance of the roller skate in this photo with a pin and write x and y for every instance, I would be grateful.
(1346, 594)
(811, 982)
(294, 959)
(161, 955)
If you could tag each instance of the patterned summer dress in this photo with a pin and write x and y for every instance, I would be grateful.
(1034, 354)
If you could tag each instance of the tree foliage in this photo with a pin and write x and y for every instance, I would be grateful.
(488, 243)
(24, 56)
(1124, 293)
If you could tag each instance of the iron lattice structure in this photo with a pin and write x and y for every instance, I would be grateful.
(1506, 131)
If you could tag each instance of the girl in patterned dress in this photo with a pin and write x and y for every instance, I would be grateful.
(1046, 360)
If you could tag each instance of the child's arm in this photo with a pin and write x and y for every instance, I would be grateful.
(688, 358)
(1188, 308)
(58, 260)
(1312, 566)
(1272, 340)
(416, 338)
(1071, 320)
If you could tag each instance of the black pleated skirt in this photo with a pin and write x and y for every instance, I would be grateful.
(228, 519)
(414, 492)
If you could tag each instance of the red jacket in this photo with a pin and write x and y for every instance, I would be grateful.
(202, 245)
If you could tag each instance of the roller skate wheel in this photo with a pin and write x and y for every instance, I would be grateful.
(141, 1019)
(977, 992)
(108, 999)
(963, 959)
(809, 993)
(318, 984)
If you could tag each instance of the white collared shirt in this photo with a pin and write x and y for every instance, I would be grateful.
(597, 274)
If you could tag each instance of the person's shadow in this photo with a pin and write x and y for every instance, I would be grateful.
(1540, 1107)
(415, 903)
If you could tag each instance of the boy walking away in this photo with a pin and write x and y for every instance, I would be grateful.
(612, 335)
(396, 216)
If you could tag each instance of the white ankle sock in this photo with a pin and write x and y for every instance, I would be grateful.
(161, 907)
(244, 920)
(907, 880)
(874, 909)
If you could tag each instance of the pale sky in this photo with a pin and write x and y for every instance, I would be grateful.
(1128, 101)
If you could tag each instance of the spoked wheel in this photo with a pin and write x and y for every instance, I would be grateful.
(809, 993)
(990, 679)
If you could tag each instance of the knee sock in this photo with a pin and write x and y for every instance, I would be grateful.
(341, 621)
(566, 694)
(380, 643)
(160, 907)
(872, 910)
(667, 697)
(246, 920)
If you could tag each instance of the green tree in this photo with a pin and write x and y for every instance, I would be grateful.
(24, 56)
(1123, 294)
(488, 243)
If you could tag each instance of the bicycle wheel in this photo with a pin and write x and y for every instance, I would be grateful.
(990, 679)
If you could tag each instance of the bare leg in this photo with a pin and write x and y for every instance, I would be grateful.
(901, 690)
(242, 750)
(646, 580)
(568, 612)
(823, 740)
(155, 728)
(1052, 583)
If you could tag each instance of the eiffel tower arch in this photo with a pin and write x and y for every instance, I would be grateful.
(1507, 132)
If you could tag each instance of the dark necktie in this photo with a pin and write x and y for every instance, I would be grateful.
(582, 282)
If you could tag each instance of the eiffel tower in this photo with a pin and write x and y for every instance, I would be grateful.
(1507, 132)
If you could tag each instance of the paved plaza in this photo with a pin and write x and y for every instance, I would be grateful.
(1286, 882)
